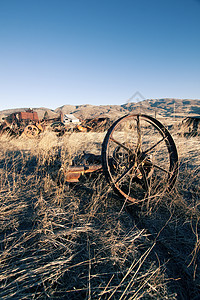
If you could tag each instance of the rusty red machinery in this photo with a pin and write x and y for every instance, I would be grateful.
(26, 122)
(95, 125)
(27, 115)
(139, 159)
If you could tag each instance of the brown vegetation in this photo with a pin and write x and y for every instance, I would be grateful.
(79, 241)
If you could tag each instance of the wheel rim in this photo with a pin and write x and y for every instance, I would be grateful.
(139, 158)
(31, 131)
(58, 127)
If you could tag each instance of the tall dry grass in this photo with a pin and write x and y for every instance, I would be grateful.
(79, 241)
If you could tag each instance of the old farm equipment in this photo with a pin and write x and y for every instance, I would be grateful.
(95, 125)
(26, 122)
(139, 159)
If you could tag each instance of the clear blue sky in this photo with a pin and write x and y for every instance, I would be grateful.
(57, 52)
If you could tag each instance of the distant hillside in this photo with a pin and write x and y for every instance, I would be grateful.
(155, 107)
(159, 107)
(92, 111)
(167, 107)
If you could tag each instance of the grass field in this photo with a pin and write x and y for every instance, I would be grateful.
(80, 241)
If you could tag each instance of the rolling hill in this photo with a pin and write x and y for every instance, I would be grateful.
(156, 107)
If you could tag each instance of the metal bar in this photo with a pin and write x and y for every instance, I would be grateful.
(75, 172)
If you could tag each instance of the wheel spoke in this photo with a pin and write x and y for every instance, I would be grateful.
(129, 168)
(124, 174)
(145, 180)
(151, 148)
(121, 145)
(160, 168)
(138, 148)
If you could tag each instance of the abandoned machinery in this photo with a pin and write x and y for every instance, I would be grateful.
(139, 159)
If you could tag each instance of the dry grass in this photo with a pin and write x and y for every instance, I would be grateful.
(79, 242)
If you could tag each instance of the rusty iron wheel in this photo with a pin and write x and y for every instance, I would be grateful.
(139, 158)
(58, 127)
(31, 131)
(8, 131)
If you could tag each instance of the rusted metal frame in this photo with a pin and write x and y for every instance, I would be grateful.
(75, 172)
